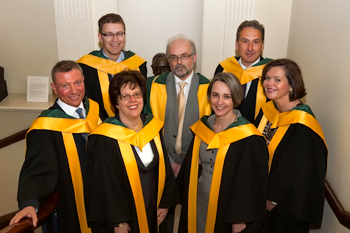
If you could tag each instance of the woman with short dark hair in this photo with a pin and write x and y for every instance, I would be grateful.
(298, 152)
(131, 183)
(230, 155)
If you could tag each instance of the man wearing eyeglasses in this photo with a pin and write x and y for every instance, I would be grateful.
(99, 67)
(248, 66)
(179, 99)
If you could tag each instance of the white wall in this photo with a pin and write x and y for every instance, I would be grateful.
(28, 41)
(149, 25)
(219, 24)
(319, 43)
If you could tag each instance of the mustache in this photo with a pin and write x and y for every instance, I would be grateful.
(180, 66)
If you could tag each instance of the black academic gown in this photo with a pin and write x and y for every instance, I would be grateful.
(46, 170)
(242, 189)
(92, 83)
(111, 200)
(296, 178)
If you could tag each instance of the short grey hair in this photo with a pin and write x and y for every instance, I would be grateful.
(182, 37)
(233, 84)
(64, 66)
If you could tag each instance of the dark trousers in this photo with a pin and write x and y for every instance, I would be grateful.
(280, 221)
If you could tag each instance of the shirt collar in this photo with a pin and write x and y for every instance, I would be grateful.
(243, 67)
(188, 79)
(69, 110)
(120, 58)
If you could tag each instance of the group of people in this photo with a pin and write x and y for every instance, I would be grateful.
(239, 152)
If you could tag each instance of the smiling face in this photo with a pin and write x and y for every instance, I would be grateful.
(249, 45)
(114, 45)
(69, 87)
(129, 110)
(221, 100)
(276, 85)
(181, 68)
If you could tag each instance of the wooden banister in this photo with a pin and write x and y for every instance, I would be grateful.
(13, 138)
(342, 215)
(45, 211)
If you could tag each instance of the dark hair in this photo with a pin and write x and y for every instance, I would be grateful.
(292, 73)
(127, 77)
(110, 18)
(254, 24)
(158, 55)
(64, 66)
(233, 84)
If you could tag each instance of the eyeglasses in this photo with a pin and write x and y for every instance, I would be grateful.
(111, 35)
(126, 97)
(183, 57)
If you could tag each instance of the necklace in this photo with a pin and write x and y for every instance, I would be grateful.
(138, 127)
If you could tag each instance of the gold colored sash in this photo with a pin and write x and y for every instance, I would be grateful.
(135, 183)
(104, 85)
(245, 76)
(221, 140)
(127, 137)
(69, 125)
(291, 117)
(77, 179)
(109, 66)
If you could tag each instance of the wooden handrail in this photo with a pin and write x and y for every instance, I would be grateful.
(13, 138)
(45, 211)
(342, 215)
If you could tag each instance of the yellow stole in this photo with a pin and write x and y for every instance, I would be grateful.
(158, 99)
(222, 141)
(245, 76)
(68, 127)
(283, 121)
(107, 66)
(127, 137)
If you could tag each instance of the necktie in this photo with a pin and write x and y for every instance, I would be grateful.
(181, 100)
(81, 116)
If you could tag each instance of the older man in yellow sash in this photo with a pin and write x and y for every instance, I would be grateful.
(55, 158)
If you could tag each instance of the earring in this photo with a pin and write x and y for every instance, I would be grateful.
(291, 90)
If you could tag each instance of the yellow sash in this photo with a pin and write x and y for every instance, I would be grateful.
(221, 140)
(127, 137)
(245, 76)
(68, 127)
(158, 99)
(105, 67)
(283, 121)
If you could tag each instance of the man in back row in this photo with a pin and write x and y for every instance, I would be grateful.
(99, 67)
(248, 67)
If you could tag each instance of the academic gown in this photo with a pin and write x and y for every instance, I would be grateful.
(298, 164)
(239, 180)
(95, 65)
(46, 168)
(112, 199)
(255, 97)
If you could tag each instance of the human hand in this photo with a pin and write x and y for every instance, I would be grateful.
(28, 212)
(125, 228)
(176, 168)
(162, 214)
(270, 205)
(238, 227)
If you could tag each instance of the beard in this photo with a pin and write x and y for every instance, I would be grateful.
(181, 70)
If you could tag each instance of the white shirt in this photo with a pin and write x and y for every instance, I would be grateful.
(70, 110)
(244, 68)
(120, 58)
(187, 86)
(146, 155)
